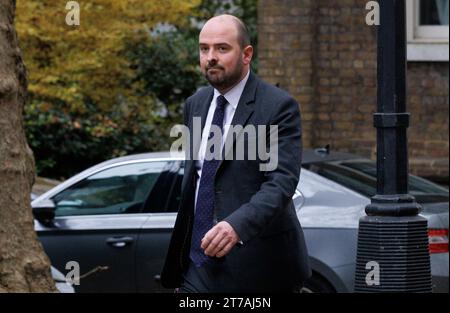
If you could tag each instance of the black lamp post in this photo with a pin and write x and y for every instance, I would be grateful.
(392, 238)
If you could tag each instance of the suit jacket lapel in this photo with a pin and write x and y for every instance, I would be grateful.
(243, 112)
(201, 111)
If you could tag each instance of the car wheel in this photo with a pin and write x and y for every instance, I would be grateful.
(316, 284)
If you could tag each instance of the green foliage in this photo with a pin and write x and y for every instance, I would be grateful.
(166, 66)
(65, 144)
(94, 97)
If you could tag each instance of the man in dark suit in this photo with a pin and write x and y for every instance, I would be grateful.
(237, 229)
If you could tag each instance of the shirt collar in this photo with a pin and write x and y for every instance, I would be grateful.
(234, 94)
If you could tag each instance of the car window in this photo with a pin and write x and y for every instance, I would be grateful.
(175, 195)
(162, 197)
(118, 190)
(360, 176)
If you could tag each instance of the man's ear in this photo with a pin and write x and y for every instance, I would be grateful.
(247, 54)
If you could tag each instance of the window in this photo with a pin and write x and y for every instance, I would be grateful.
(431, 19)
(427, 29)
(118, 190)
(433, 12)
(165, 196)
(175, 198)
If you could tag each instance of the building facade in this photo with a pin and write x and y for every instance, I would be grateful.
(325, 54)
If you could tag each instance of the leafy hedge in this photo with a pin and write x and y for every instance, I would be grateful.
(130, 113)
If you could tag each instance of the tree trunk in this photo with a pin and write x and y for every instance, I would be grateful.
(24, 267)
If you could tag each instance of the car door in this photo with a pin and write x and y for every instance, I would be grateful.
(156, 232)
(97, 225)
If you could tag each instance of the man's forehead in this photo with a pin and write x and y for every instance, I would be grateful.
(214, 32)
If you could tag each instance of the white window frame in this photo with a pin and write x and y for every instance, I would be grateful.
(425, 43)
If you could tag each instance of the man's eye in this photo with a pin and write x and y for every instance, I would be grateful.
(203, 49)
(222, 49)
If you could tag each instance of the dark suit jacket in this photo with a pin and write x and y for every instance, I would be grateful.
(257, 204)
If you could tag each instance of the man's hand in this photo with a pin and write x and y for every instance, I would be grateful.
(219, 240)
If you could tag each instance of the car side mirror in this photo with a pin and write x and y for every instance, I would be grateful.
(44, 211)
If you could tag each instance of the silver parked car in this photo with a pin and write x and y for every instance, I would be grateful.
(115, 220)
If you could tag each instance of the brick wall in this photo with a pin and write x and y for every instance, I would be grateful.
(428, 133)
(324, 54)
(285, 41)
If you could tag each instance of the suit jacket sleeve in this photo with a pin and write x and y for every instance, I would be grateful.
(279, 186)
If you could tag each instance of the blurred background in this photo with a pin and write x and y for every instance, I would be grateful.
(115, 84)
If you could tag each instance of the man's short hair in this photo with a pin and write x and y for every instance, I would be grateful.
(243, 33)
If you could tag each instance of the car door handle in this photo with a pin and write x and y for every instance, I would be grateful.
(119, 242)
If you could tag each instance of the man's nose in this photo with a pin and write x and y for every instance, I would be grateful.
(212, 56)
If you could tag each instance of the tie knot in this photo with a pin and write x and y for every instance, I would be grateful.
(221, 102)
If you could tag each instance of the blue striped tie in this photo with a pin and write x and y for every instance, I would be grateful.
(204, 210)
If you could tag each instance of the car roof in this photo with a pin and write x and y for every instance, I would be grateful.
(164, 155)
(322, 155)
(309, 156)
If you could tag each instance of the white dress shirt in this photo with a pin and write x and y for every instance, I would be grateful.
(232, 96)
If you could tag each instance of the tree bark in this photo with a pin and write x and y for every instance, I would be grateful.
(24, 267)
